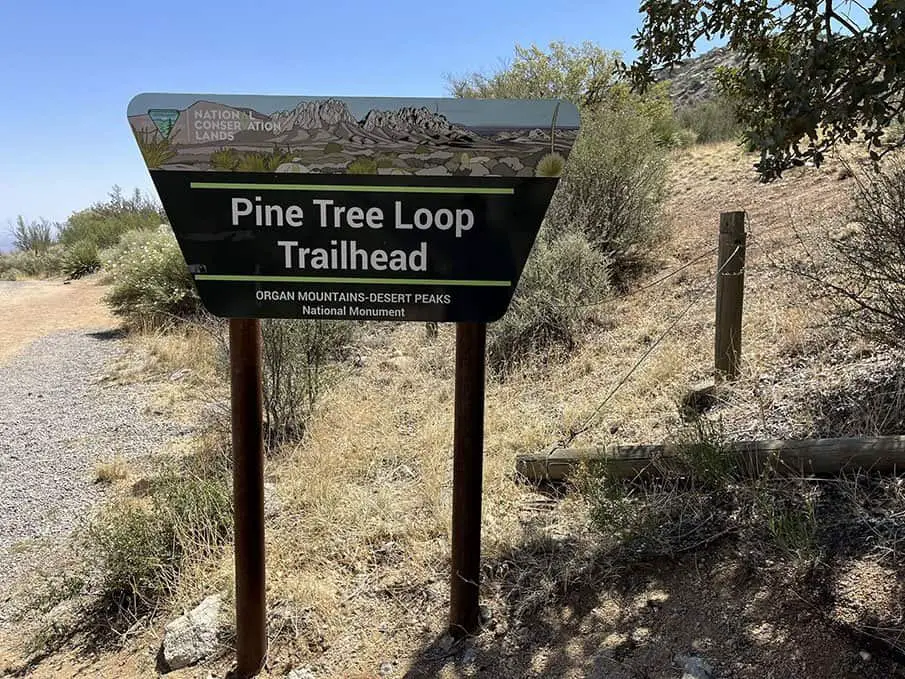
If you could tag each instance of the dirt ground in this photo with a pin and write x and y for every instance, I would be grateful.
(32, 309)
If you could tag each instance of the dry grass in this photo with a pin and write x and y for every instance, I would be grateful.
(111, 470)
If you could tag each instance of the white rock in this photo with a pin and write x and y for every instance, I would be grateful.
(292, 167)
(300, 673)
(192, 637)
(272, 502)
(441, 170)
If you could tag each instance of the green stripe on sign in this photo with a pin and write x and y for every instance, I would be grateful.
(349, 281)
(349, 187)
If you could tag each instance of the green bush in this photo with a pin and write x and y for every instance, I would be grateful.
(711, 121)
(226, 160)
(149, 280)
(104, 223)
(138, 547)
(16, 265)
(553, 301)
(296, 370)
(362, 166)
(613, 188)
(155, 149)
(550, 165)
(80, 259)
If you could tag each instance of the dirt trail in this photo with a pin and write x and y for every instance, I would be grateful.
(32, 309)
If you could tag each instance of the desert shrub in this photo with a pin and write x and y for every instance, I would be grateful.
(553, 301)
(30, 264)
(613, 188)
(362, 166)
(263, 162)
(550, 165)
(711, 121)
(34, 236)
(155, 148)
(225, 159)
(149, 280)
(80, 259)
(860, 267)
(104, 223)
(296, 370)
(138, 546)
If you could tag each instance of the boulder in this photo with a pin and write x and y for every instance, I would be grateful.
(192, 637)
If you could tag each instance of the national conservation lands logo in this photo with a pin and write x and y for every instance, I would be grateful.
(400, 209)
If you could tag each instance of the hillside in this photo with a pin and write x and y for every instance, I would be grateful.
(358, 550)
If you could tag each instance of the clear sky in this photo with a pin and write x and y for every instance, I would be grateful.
(68, 69)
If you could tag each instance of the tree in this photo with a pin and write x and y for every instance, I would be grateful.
(814, 73)
(583, 74)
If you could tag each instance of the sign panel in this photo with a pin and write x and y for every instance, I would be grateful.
(354, 208)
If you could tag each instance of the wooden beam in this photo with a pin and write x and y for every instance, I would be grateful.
(798, 456)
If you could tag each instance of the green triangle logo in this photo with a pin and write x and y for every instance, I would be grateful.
(164, 119)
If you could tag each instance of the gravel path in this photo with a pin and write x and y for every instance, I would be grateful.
(58, 419)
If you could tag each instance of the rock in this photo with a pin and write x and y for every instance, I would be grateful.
(446, 642)
(865, 656)
(694, 667)
(386, 669)
(470, 655)
(272, 502)
(192, 637)
(300, 673)
(293, 167)
(442, 170)
(478, 170)
(513, 162)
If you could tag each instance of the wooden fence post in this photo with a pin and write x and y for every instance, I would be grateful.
(730, 285)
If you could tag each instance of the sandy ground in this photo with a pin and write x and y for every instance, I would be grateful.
(32, 309)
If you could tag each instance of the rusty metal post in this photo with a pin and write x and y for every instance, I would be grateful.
(468, 457)
(248, 494)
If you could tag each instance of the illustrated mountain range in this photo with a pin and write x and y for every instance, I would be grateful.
(330, 119)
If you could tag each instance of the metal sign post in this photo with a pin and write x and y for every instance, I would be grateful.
(248, 493)
(468, 458)
(357, 208)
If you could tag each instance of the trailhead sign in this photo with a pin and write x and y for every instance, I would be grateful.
(354, 208)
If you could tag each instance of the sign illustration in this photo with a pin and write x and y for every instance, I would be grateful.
(354, 208)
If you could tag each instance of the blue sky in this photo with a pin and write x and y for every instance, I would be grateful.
(68, 69)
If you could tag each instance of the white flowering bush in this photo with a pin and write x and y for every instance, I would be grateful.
(149, 280)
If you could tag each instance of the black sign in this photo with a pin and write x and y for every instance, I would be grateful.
(426, 220)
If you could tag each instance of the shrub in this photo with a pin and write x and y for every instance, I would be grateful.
(35, 236)
(552, 302)
(225, 159)
(860, 267)
(263, 162)
(550, 165)
(711, 121)
(296, 355)
(613, 188)
(155, 149)
(149, 280)
(30, 264)
(138, 546)
(80, 259)
(362, 166)
(104, 223)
